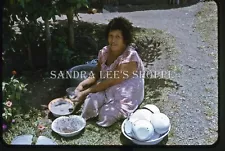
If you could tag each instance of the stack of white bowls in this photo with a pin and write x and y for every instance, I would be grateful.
(146, 126)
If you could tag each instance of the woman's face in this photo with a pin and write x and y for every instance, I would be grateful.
(115, 40)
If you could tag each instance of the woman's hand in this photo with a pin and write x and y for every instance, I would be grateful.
(80, 97)
(79, 88)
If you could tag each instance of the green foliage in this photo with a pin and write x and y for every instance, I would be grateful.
(62, 55)
(10, 10)
(16, 43)
(21, 30)
(35, 8)
(13, 90)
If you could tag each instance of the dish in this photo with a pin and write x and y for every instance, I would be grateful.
(160, 122)
(68, 126)
(155, 139)
(142, 130)
(61, 107)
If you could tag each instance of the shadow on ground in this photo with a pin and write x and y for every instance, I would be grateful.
(149, 49)
(42, 92)
(154, 89)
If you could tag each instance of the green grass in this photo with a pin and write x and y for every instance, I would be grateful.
(175, 68)
(206, 24)
(208, 90)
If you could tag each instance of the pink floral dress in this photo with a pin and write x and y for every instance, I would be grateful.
(120, 100)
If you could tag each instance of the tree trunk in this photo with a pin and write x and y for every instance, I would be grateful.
(70, 15)
(30, 60)
(28, 44)
(48, 43)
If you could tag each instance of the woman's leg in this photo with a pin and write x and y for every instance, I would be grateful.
(116, 110)
(109, 114)
(92, 104)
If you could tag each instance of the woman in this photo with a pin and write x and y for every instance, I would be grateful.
(117, 87)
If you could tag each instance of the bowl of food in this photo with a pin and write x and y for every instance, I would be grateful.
(68, 126)
(61, 107)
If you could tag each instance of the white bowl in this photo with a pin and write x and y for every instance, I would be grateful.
(128, 128)
(160, 122)
(142, 130)
(61, 107)
(68, 126)
(141, 114)
(154, 109)
(155, 139)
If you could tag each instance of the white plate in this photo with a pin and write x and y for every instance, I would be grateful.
(154, 140)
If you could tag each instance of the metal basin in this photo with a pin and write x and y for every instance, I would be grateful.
(80, 73)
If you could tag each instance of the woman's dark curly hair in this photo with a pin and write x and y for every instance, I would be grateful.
(122, 24)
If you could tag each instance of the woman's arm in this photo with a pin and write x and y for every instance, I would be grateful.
(92, 79)
(123, 72)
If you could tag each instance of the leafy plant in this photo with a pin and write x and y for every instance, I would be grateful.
(12, 94)
(62, 54)
(70, 8)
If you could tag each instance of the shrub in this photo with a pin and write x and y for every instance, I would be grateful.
(13, 90)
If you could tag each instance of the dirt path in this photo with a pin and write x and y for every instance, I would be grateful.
(193, 108)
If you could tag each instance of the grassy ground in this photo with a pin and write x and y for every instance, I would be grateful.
(207, 23)
(152, 44)
(207, 26)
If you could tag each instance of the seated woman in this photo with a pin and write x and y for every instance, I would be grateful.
(117, 87)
